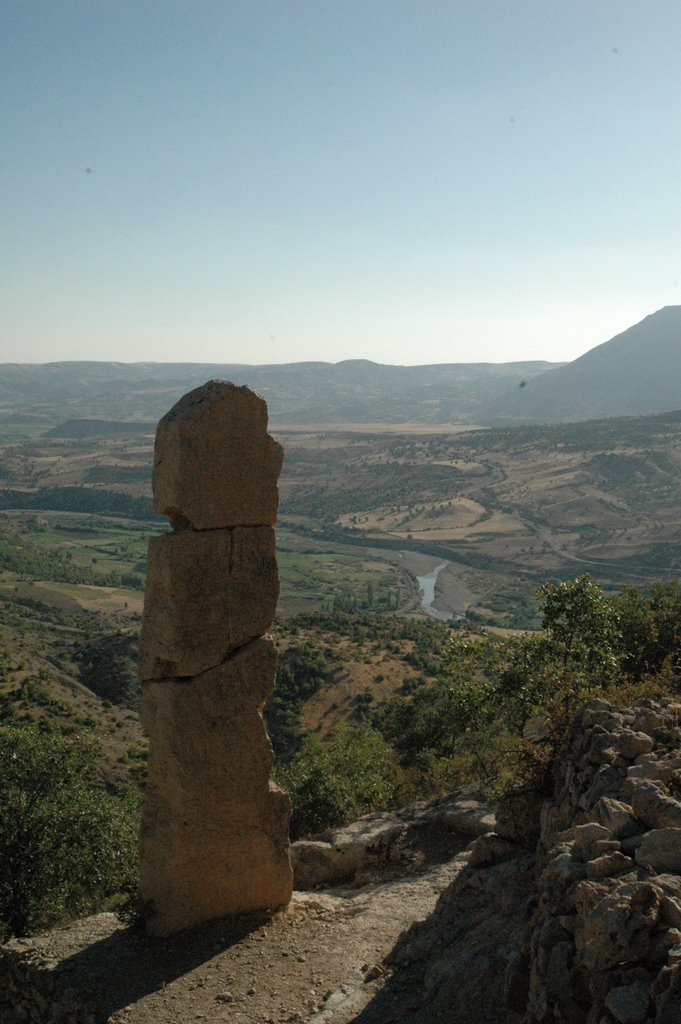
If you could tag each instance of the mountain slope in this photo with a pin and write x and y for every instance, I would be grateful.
(636, 373)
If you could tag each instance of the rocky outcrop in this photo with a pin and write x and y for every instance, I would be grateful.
(388, 838)
(214, 837)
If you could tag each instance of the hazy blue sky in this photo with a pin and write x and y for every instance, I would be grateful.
(407, 181)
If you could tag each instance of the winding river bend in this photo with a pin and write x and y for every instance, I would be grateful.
(427, 586)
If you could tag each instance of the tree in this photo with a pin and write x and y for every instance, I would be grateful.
(581, 627)
(650, 627)
(65, 844)
(488, 690)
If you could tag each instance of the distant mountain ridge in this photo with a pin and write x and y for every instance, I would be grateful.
(636, 373)
(353, 391)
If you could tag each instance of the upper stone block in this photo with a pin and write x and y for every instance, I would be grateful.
(215, 465)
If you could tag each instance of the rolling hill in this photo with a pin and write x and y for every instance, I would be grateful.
(36, 398)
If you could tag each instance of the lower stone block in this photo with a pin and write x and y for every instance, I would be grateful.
(214, 837)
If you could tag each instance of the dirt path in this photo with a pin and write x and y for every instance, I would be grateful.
(320, 951)
(318, 961)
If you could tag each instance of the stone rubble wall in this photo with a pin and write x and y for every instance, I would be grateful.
(29, 992)
(604, 941)
(344, 854)
(570, 910)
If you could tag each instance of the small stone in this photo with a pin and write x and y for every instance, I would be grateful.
(630, 744)
(618, 928)
(661, 849)
(645, 770)
(649, 721)
(631, 844)
(653, 806)
(671, 911)
(563, 868)
(585, 835)
(617, 817)
(608, 865)
(490, 849)
(601, 847)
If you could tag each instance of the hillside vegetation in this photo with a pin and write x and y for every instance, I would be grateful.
(376, 703)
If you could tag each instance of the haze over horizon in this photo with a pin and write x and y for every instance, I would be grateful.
(270, 182)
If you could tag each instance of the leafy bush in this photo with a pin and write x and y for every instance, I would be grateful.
(334, 782)
(65, 845)
(500, 708)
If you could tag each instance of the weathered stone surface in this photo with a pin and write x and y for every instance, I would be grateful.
(341, 853)
(661, 849)
(618, 929)
(467, 815)
(491, 849)
(564, 869)
(629, 1003)
(630, 744)
(215, 465)
(207, 593)
(668, 999)
(586, 836)
(653, 806)
(607, 865)
(214, 831)
(617, 817)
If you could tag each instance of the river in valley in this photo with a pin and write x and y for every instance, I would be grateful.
(427, 585)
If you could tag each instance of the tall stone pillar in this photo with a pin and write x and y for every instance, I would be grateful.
(214, 838)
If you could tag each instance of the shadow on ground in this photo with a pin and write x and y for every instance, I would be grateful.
(125, 965)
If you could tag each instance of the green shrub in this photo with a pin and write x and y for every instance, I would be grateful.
(336, 781)
(65, 844)
(500, 709)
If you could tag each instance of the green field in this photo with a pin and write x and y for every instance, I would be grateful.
(336, 581)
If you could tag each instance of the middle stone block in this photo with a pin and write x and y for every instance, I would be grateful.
(207, 593)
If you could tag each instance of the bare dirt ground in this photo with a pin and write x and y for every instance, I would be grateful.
(320, 960)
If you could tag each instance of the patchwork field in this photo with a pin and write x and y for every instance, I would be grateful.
(506, 507)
